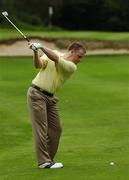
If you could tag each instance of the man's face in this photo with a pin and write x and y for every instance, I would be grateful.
(76, 55)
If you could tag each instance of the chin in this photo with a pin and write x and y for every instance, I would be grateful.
(78, 62)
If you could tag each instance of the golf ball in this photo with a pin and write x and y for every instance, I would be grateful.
(111, 163)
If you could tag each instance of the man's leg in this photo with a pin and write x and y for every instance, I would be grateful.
(54, 128)
(37, 107)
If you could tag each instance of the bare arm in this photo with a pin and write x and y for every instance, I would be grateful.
(50, 54)
(36, 59)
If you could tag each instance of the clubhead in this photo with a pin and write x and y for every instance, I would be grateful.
(5, 13)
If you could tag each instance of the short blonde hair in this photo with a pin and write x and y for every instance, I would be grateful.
(76, 46)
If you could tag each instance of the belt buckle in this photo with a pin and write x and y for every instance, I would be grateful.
(40, 89)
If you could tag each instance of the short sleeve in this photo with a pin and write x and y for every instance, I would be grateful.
(66, 65)
(44, 61)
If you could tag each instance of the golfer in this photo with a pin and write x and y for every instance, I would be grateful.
(54, 69)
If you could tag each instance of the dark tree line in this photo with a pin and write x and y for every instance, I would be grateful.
(112, 15)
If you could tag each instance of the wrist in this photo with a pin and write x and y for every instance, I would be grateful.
(35, 51)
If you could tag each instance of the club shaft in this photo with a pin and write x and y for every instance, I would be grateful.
(17, 28)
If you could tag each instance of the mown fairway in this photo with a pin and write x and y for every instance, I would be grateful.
(11, 33)
(94, 107)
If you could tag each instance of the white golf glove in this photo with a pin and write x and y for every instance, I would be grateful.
(35, 46)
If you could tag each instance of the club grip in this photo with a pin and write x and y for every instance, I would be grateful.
(33, 47)
(27, 39)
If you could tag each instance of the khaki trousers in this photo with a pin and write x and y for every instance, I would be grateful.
(45, 124)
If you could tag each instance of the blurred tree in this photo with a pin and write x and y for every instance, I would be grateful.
(110, 15)
(6, 5)
(95, 15)
(81, 14)
(35, 12)
(116, 14)
(9, 6)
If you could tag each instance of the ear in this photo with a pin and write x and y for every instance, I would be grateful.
(72, 51)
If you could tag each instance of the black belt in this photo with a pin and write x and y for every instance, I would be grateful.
(39, 89)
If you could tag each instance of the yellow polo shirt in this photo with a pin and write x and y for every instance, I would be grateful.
(52, 75)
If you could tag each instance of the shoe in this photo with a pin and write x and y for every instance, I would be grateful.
(51, 165)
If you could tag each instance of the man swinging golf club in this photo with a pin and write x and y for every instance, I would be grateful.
(55, 69)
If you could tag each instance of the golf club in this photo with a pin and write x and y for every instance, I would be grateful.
(5, 14)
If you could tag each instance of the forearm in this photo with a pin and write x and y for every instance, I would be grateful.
(36, 60)
(50, 54)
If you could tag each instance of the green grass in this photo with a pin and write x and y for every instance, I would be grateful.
(94, 107)
(6, 34)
